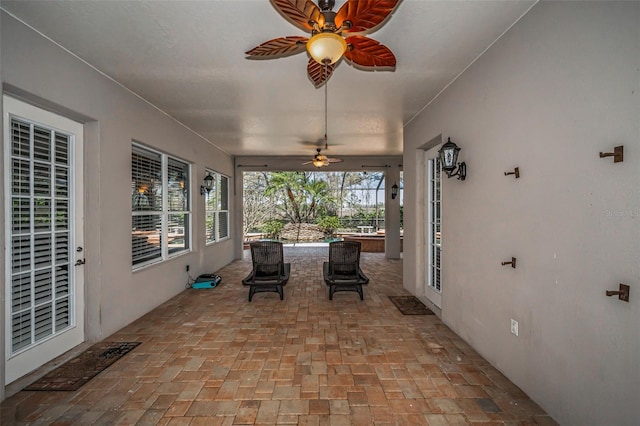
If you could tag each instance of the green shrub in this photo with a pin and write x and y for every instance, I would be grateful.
(272, 228)
(329, 224)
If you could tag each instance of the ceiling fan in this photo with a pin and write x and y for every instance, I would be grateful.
(332, 35)
(320, 160)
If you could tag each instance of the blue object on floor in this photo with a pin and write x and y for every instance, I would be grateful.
(206, 281)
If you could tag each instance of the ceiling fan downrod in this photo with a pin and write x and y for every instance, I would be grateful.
(326, 4)
(326, 83)
(326, 8)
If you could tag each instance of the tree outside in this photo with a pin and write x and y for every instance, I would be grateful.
(333, 202)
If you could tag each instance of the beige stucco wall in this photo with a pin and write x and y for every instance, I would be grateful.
(40, 72)
(558, 88)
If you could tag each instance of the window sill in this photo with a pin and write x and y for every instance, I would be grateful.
(159, 261)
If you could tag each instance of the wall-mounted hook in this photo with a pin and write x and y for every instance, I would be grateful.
(515, 172)
(512, 263)
(617, 154)
(623, 293)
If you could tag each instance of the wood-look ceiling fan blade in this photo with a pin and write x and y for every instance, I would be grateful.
(365, 16)
(318, 74)
(299, 13)
(369, 54)
(278, 48)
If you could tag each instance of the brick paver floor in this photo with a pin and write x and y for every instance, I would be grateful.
(209, 357)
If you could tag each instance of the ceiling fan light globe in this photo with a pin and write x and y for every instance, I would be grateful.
(326, 47)
(318, 163)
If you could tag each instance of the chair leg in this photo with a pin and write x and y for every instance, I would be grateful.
(280, 292)
(359, 290)
(332, 290)
(252, 291)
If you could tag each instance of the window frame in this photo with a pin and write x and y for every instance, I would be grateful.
(165, 212)
(214, 208)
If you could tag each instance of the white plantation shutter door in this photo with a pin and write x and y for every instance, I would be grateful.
(435, 187)
(44, 221)
(433, 225)
(210, 205)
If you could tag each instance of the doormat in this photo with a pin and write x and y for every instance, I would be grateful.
(410, 305)
(79, 370)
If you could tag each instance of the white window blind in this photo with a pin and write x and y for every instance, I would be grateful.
(160, 205)
(217, 209)
(40, 233)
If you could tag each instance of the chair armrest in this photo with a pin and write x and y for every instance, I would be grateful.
(362, 276)
(325, 271)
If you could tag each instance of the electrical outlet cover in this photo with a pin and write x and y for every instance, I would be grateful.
(514, 326)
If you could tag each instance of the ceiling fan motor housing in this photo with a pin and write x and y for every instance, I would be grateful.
(329, 15)
(329, 21)
(329, 24)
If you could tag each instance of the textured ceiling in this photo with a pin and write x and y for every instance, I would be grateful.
(187, 58)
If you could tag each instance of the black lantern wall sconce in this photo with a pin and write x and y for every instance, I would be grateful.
(449, 160)
(394, 191)
(207, 184)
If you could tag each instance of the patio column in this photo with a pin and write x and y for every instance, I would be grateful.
(238, 198)
(392, 214)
